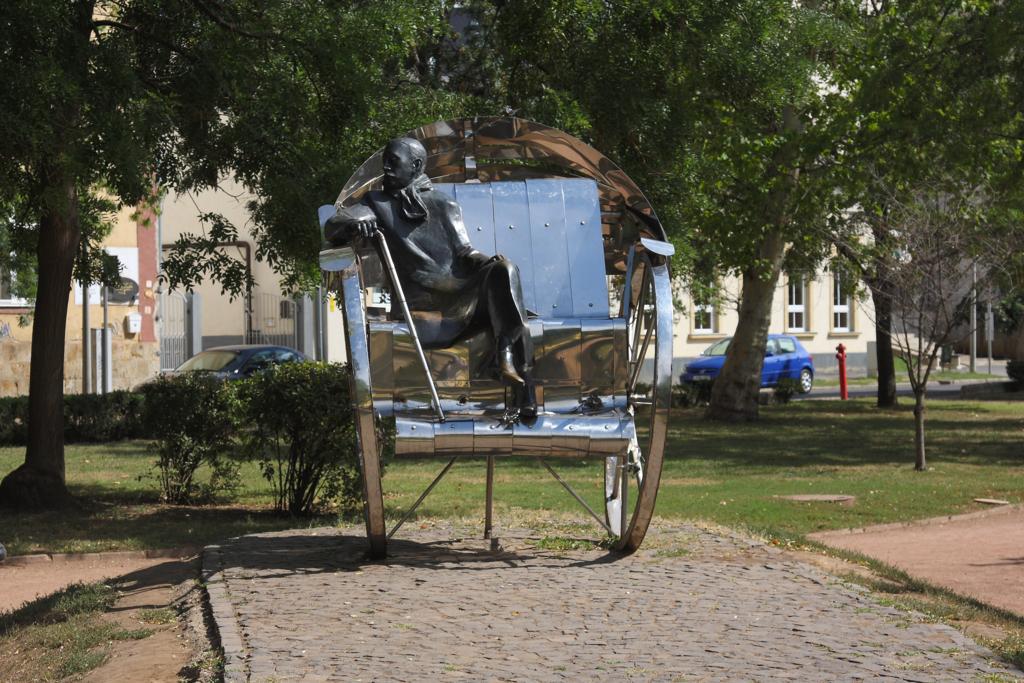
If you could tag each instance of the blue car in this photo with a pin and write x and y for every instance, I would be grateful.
(784, 358)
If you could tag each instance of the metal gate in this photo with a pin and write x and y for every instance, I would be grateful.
(173, 321)
(273, 319)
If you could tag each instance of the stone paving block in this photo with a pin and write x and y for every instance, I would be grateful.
(306, 605)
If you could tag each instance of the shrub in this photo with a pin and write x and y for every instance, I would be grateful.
(87, 417)
(301, 432)
(192, 417)
(103, 417)
(786, 389)
(1015, 370)
(13, 420)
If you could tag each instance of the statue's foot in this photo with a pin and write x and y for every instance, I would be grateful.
(507, 366)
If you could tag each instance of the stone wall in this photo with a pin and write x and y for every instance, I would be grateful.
(133, 362)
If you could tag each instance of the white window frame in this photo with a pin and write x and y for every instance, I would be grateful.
(11, 301)
(842, 305)
(794, 308)
(700, 310)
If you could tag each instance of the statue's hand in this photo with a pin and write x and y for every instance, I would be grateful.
(366, 227)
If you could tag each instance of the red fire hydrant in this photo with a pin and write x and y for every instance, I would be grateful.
(841, 357)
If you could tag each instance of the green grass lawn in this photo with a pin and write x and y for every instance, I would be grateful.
(728, 474)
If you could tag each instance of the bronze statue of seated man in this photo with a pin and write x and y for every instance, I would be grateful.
(439, 270)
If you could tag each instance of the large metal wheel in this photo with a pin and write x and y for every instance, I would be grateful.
(631, 479)
(367, 424)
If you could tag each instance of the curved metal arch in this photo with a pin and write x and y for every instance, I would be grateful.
(485, 149)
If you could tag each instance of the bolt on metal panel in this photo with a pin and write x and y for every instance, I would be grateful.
(585, 249)
(513, 234)
(477, 215)
(550, 251)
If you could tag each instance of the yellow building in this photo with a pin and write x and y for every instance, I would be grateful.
(131, 312)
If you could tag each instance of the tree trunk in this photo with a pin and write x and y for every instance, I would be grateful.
(920, 463)
(735, 391)
(39, 482)
(883, 347)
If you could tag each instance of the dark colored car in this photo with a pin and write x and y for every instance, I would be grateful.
(784, 358)
(239, 361)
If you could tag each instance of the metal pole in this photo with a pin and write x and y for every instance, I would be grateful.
(400, 295)
(86, 346)
(105, 343)
(314, 310)
(488, 514)
(990, 330)
(974, 319)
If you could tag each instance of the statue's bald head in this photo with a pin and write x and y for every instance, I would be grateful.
(404, 159)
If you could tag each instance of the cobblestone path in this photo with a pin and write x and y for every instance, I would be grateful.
(691, 605)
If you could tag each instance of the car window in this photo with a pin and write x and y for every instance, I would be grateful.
(770, 348)
(260, 361)
(786, 345)
(283, 356)
(717, 349)
(209, 361)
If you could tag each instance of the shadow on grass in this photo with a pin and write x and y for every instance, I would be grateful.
(109, 525)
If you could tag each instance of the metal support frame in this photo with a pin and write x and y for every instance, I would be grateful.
(422, 497)
(576, 496)
(489, 513)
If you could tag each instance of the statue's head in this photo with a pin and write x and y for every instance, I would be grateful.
(404, 159)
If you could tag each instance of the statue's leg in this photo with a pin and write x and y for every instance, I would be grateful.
(506, 309)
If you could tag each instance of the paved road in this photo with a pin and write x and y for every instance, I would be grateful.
(691, 605)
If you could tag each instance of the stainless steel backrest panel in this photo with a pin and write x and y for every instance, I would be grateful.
(513, 235)
(586, 250)
(555, 239)
(552, 284)
(478, 215)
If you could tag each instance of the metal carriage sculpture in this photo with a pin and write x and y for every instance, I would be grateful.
(594, 264)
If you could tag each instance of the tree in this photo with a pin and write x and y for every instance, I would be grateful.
(115, 97)
(948, 246)
(931, 84)
(717, 113)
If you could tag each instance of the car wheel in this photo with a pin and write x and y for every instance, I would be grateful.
(806, 381)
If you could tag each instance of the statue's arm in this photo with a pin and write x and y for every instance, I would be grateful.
(464, 251)
(348, 223)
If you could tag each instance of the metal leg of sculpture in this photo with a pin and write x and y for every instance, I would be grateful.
(489, 512)
(344, 262)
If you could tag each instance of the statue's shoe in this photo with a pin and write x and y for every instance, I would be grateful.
(507, 366)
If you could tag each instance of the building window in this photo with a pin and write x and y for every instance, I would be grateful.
(703, 314)
(841, 321)
(7, 297)
(796, 305)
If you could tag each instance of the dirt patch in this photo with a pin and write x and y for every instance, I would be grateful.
(42, 575)
(149, 599)
(159, 603)
(977, 555)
